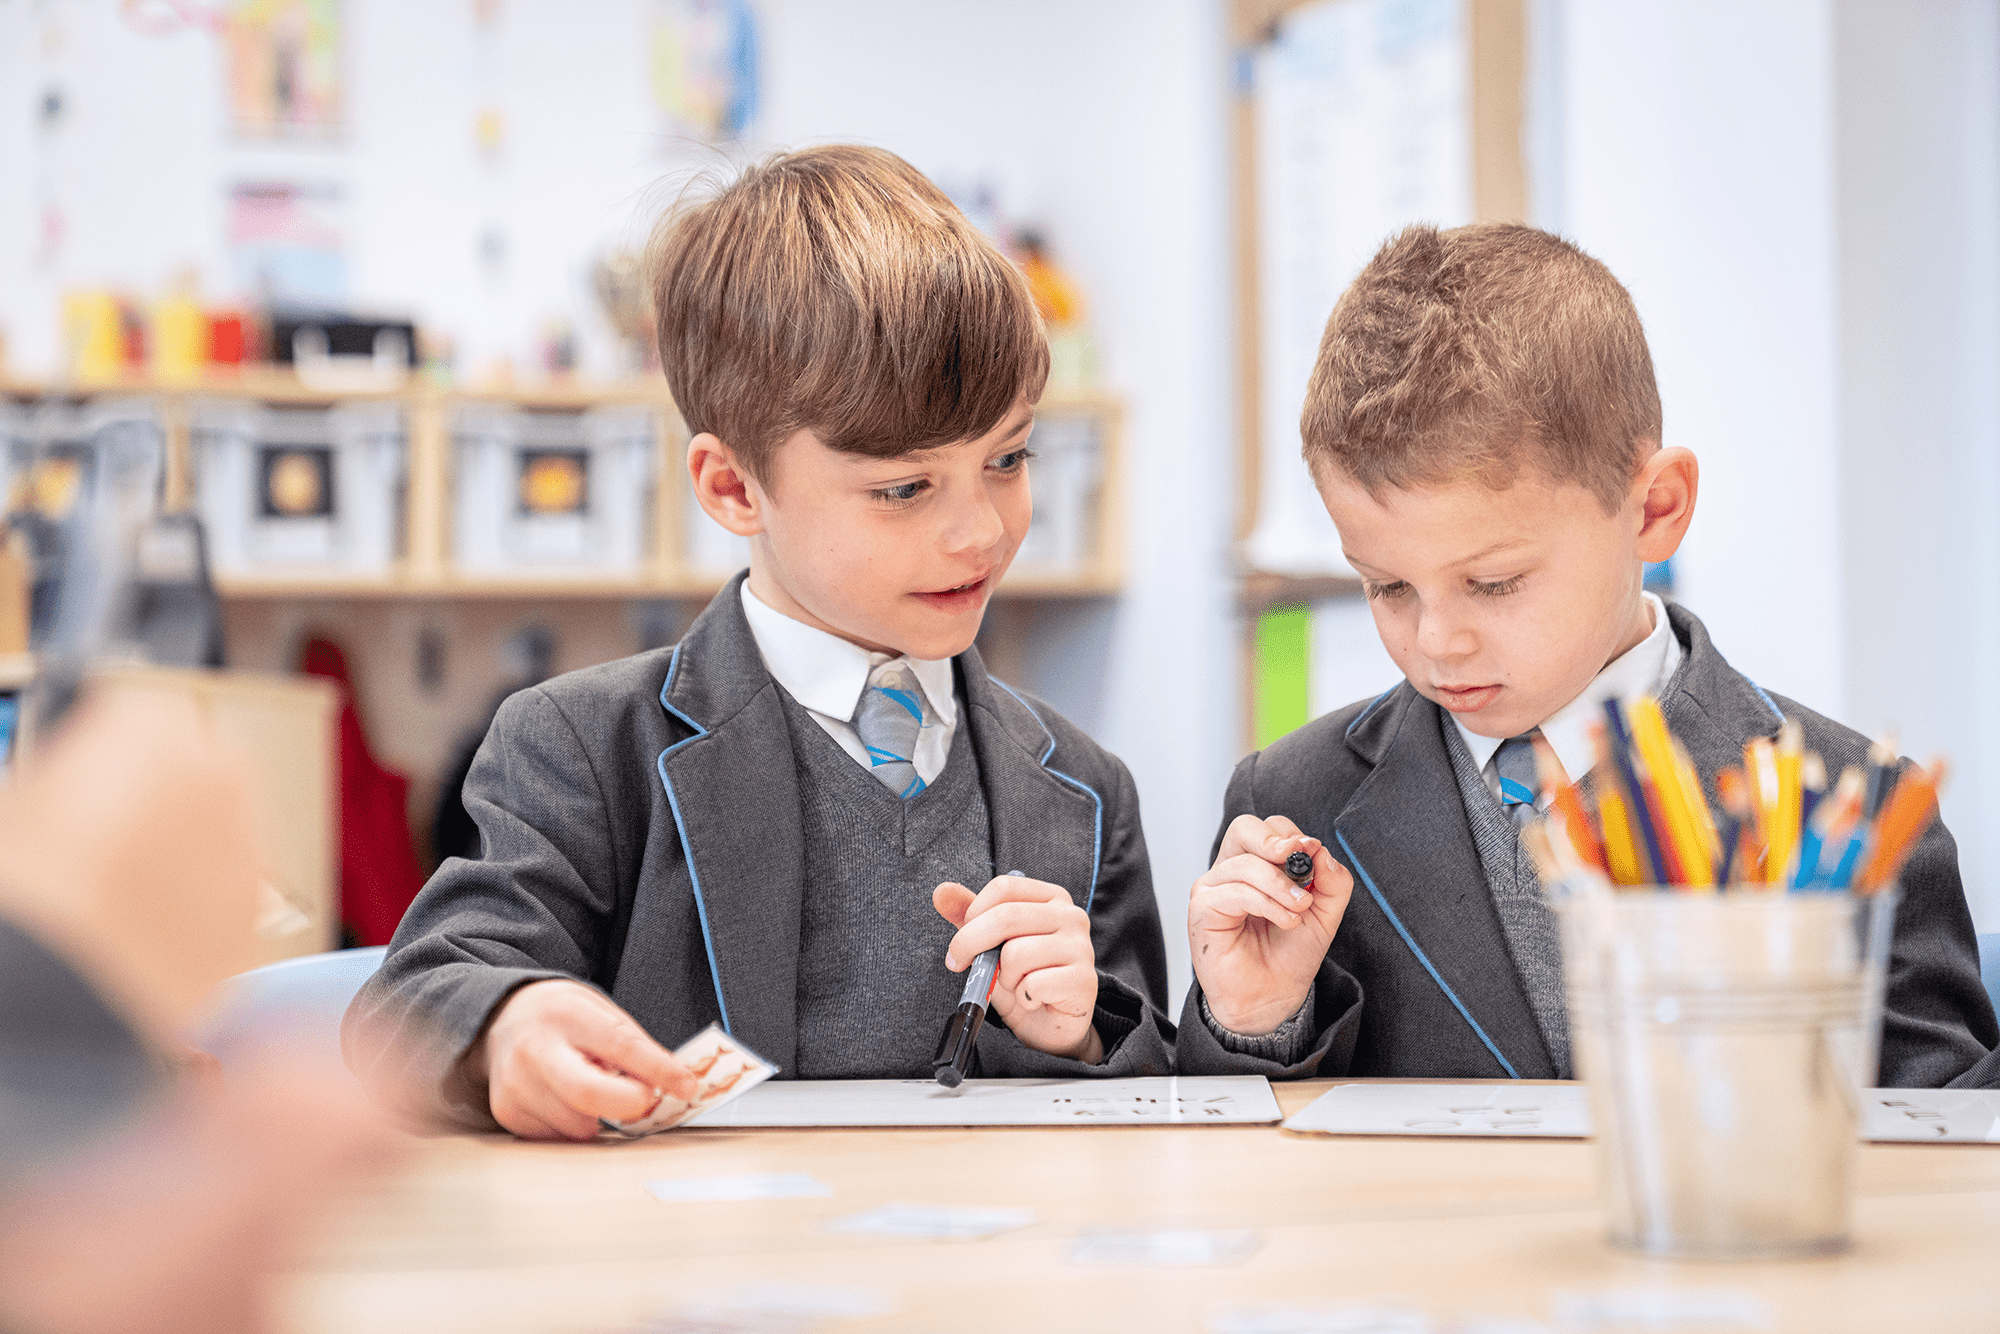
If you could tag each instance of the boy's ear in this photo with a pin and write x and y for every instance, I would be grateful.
(723, 487)
(1667, 484)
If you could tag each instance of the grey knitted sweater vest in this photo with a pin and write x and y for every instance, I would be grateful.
(873, 992)
(1525, 916)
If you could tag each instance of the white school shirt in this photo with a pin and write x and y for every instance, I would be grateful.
(827, 674)
(1643, 669)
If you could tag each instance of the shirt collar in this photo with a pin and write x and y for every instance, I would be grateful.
(1643, 669)
(826, 673)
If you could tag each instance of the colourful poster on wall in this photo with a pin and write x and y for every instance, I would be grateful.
(286, 244)
(704, 66)
(284, 68)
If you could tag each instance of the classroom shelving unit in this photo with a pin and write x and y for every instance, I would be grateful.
(424, 567)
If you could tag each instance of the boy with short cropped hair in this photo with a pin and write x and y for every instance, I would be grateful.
(1484, 429)
(779, 824)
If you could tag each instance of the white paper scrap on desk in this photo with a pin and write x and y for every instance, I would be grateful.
(1562, 1111)
(750, 1186)
(1933, 1116)
(1318, 1320)
(1166, 1100)
(923, 1220)
(1172, 1248)
(1537, 1111)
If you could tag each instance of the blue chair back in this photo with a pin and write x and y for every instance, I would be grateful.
(1989, 965)
(294, 1005)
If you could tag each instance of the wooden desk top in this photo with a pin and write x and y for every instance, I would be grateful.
(487, 1233)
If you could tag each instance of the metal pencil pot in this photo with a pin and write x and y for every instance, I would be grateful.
(1726, 1039)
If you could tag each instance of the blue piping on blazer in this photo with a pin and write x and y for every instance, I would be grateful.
(1769, 703)
(1422, 958)
(1097, 832)
(680, 827)
(1370, 709)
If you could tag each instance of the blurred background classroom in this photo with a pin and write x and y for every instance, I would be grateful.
(337, 298)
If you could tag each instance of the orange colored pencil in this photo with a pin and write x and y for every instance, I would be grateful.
(1568, 804)
(1904, 818)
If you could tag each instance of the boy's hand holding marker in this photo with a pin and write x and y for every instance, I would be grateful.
(1046, 988)
(1256, 933)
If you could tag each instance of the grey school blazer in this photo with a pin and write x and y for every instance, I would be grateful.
(1418, 981)
(640, 831)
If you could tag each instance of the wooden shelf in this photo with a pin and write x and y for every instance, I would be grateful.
(424, 570)
(1017, 584)
(1259, 592)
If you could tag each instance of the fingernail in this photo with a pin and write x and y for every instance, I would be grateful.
(1300, 896)
(951, 961)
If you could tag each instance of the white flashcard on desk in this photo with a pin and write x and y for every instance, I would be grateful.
(724, 1070)
(1209, 1100)
(1562, 1111)
(924, 1220)
(1932, 1116)
(750, 1186)
(1529, 1111)
(1173, 1248)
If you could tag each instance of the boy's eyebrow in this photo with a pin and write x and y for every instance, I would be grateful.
(1497, 548)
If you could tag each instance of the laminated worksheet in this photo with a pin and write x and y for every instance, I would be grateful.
(1562, 1111)
(1213, 1100)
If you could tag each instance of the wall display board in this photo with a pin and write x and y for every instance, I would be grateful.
(1354, 118)
(1361, 129)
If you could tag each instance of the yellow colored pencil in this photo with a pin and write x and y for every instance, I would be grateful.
(1656, 747)
(1783, 837)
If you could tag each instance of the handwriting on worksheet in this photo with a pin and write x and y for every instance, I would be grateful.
(1189, 1100)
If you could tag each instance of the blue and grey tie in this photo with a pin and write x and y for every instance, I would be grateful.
(890, 715)
(1515, 761)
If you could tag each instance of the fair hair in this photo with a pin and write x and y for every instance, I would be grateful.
(1478, 352)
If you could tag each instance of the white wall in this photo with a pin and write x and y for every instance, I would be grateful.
(1918, 124)
(1697, 161)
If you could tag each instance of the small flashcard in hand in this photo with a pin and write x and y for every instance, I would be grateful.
(724, 1070)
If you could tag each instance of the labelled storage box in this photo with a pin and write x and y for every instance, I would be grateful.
(301, 492)
(57, 451)
(553, 493)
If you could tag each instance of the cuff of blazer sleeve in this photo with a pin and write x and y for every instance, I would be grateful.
(1286, 1044)
(1137, 1041)
(1334, 1022)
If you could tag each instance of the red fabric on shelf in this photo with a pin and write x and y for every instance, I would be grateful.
(379, 873)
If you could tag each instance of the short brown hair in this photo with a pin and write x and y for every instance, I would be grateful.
(1480, 351)
(836, 290)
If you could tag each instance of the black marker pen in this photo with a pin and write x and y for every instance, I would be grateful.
(1300, 868)
(954, 1053)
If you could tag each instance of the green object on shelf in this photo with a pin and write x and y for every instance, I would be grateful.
(1283, 684)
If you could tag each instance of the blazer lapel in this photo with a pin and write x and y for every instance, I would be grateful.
(1405, 836)
(1045, 824)
(732, 786)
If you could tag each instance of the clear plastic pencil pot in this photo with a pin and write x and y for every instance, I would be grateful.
(1726, 1040)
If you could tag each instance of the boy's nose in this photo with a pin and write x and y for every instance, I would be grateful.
(975, 526)
(1441, 637)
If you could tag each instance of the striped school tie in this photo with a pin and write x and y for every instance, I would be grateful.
(1515, 761)
(887, 719)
